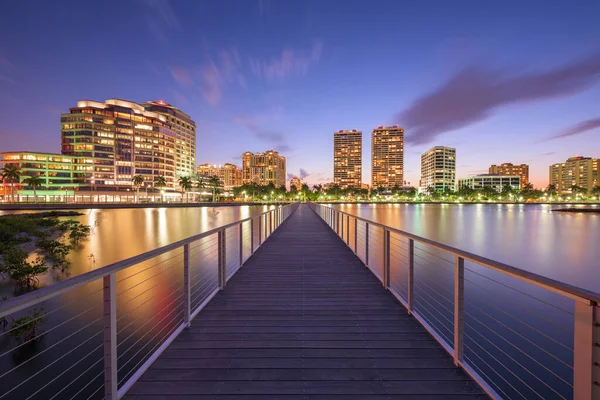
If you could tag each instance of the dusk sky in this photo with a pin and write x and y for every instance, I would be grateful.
(502, 81)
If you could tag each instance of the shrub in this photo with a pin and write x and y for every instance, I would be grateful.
(18, 268)
(28, 327)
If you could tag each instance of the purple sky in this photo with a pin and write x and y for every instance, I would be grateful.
(500, 81)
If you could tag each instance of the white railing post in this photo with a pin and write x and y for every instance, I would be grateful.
(355, 235)
(252, 236)
(583, 350)
(222, 261)
(241, 243)
(187, 307)
(459, 308)
(410, 279)
(110, 337)
(259, 230)
(348, 230)
(386, 258)
(367, 244)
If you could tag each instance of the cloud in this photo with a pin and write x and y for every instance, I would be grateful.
(209, 79)
(287, 64)
(275, 138)
(550, 153)
(476, 92)
(291, 176)
(303, 173)
(8, 79)
(160, 18)
(264, 7)
(582, 127)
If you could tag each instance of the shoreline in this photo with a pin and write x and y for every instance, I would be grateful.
(87, 206)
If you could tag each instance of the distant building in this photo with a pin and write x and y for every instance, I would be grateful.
(229, 174)
(580, 171)
(387, 156)
(438, 169)
(347, 158)
(510, 169)
(264, 168)
(297, 183)
(184, 128)
(497, 182)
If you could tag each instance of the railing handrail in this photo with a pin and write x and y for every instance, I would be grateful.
(26, 300)
(573, 292)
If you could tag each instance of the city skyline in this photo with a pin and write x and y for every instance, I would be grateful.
(533, 103)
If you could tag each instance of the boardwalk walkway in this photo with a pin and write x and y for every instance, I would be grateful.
(304, 319)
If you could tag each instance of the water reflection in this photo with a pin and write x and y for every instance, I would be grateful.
(561, 246)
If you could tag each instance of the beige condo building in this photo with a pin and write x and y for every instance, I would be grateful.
(438, 169)
(580, 171)
(387, 156)
(229, 175)
(264, 168)
(347, 158)
(509, 169)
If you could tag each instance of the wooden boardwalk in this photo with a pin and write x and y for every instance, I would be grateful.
(304, 319)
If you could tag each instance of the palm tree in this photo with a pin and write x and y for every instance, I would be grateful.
(214, 183)
(551, 189)
(138, 181)
(160, 182)
(186, 184)
(34, 182)
(528, 186)
(596, 191)
(578, 190)
(11, 173)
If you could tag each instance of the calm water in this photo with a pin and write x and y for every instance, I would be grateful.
(499, 320)
(560, 245)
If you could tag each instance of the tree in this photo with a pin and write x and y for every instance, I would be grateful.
(34, 182)
(11, 173)
(214, 183)
(185, 182)
(137, 181)
(18, 268)
(432, 192)
(551, 189)
(160, 182)
(528, 187)
(596, 191)
(578, 190)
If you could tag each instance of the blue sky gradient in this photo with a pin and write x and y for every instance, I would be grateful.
(500, 81)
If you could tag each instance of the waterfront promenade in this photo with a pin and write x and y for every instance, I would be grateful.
(304, 319)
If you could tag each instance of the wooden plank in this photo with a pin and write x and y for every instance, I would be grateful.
(304, 319)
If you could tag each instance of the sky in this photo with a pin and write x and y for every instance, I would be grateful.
(502, 81)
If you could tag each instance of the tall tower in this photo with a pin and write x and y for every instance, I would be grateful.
(264, 168)
(184, 128)
(387, 156)
(347, 158)
(438, 169)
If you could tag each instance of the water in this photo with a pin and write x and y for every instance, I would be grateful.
(67, 361)
(517, 336)
(560, 245)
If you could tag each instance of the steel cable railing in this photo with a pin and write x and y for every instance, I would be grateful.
(519, 335)
(94, 335)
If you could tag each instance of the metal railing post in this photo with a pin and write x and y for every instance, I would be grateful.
(459, 308)
(410, 279)
(252, 236)
(367, 244)
(187, 308)
(355, 236)
(583, 350)
(110, 337)
(348, 230)
(241, 243)
(386, 258)
(259, 230)
(222, 261)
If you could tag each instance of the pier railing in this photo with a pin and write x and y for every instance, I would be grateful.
(518, 334)
(94, 335)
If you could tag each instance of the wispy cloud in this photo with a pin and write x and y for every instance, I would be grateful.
(272, 137)
(582, 127)
(160, 18)
(550, 153)
(264, 7)
(476, 92)
(8, 79)
(289, 63)
(303, 173)
(210, 78)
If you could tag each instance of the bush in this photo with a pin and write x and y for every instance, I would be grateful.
(18, 268)
(28, 327)
(79, 232)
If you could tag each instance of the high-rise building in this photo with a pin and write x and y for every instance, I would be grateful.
(509, 169)
(229, 174)
(297, 183)
(347, 158)
(184, 128)
(387, 156)
(438, 169)
(121, 139)
(580, 171)
(497, 182)
(263, 168)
